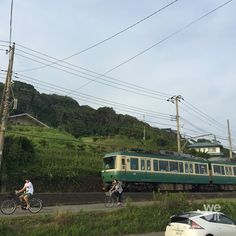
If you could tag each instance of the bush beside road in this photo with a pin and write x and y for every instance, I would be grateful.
(141, 218)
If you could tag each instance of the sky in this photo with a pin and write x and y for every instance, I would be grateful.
(131, 55)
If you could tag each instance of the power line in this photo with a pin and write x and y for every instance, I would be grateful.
(207, 117)
(168, 37)
(88, 98)
(123, 107)
(202, 118)
(161, 41)
(106, 39)
(128, 87)
(78, 69)
(64, 90)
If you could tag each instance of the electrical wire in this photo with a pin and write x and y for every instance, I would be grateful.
(167, 37)
(106, 39)
(133, 110)
(207, 117)
(127, 88)
(161, 41)
(83, 95)
(94, 75)
(202, 118)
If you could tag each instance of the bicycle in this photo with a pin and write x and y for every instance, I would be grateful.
(9, 206)
(111, 200)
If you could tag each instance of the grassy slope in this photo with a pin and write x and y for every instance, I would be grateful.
(62, 158)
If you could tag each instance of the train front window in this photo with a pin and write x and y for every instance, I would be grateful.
(109, 162)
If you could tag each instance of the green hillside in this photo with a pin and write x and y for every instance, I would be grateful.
(52, 158)
(71, 150)
(66, 114)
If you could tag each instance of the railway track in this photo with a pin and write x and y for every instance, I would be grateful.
(52, 199)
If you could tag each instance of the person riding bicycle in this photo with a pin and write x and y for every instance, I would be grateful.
(28, 191)
(117, 190)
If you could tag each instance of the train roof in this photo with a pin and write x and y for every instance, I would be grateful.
(220, 160)
(162, 154)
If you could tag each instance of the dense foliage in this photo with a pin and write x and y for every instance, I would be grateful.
(66, 114)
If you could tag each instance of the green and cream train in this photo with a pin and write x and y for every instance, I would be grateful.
(141, 171)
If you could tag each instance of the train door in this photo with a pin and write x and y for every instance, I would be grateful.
(124, 169)
(145, 169)
(188, 166)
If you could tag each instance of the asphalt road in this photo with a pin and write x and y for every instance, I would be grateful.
(74, 208)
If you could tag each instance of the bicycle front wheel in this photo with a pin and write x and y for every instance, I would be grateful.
(109, 201)
(36, 205)
(8, 207)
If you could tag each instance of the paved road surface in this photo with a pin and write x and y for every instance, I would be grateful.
(75, 208)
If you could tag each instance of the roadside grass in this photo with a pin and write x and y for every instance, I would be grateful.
(128, 220)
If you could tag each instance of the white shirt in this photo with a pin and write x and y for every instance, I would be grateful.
(29, 188)
(118, 187)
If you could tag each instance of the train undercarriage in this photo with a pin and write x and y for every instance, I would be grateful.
(174, 187)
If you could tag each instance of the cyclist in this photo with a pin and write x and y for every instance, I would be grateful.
(117, 190)
(27, 191)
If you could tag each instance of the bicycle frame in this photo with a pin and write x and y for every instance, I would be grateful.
(10, 205)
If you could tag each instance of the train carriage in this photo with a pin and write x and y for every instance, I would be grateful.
(223, 174)
(151, 171)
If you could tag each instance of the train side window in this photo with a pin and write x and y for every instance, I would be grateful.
(203, 169)
(186, 168)
(190, 168)
(123, 163)
(163, 166)
(134, 164)
(217, 170)
(174, 166)
(148, 165)
(197, 168)
(228, 170)
(222, 170)
(234, 170)
(181, 167)
(155, 165)
(143, 165)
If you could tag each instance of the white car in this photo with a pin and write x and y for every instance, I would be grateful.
(201, 223)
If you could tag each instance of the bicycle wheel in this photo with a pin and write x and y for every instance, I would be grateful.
(109, 201)
(36, 205)
(8, 207)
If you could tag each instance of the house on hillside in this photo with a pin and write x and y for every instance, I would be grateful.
(25, 119)
(212, 148)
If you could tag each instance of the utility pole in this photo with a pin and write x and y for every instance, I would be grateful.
(230, 142)
(176, 99)
(144, 129)
(4, 109)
